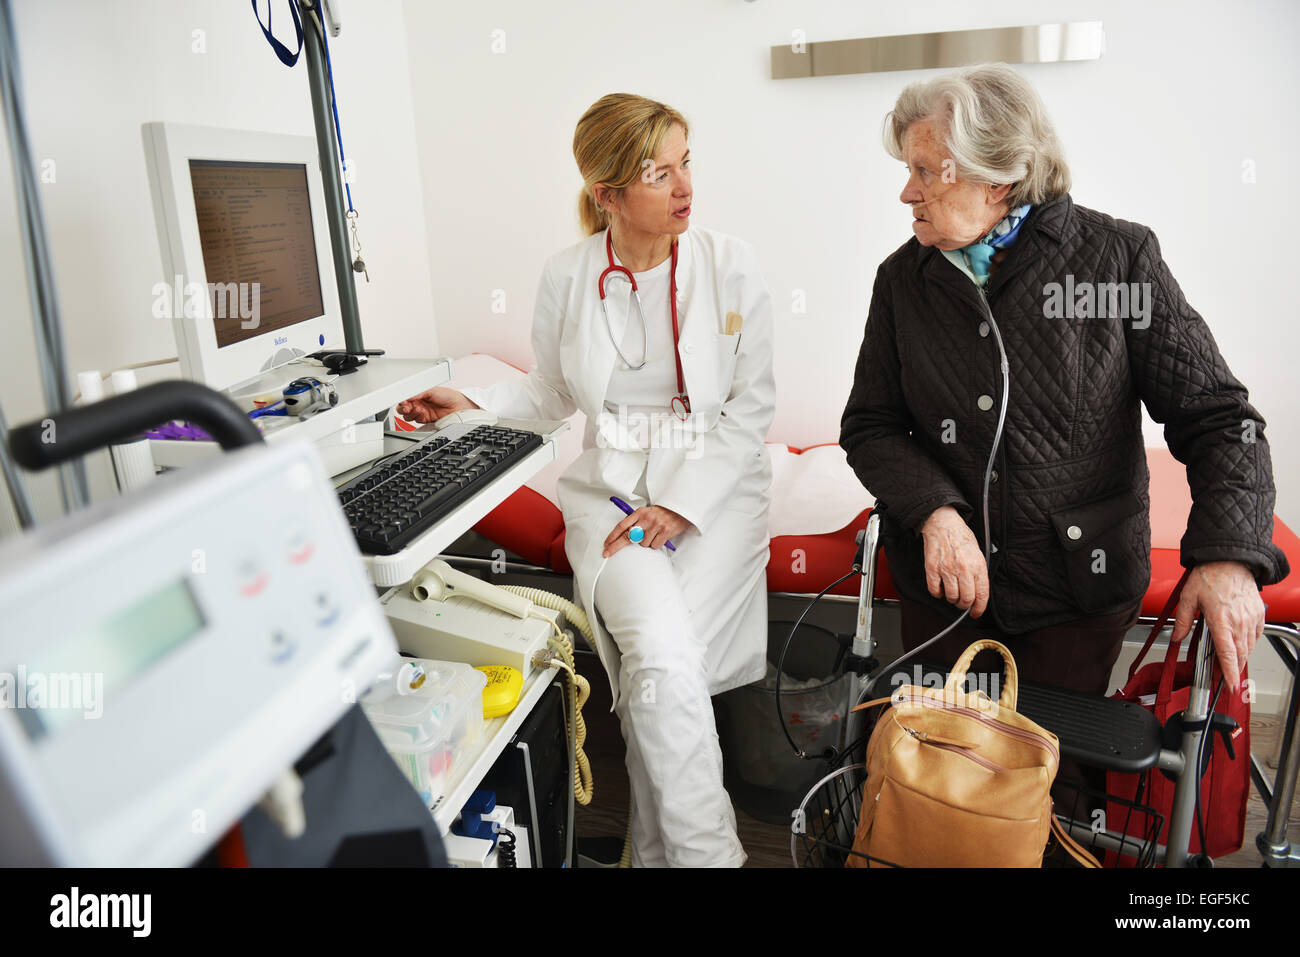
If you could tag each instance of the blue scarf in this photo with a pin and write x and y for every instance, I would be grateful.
(978, 255)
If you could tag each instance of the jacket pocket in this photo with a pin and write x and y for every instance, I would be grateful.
(1104, 548)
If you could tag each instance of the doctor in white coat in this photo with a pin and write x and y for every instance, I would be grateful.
(676, 434)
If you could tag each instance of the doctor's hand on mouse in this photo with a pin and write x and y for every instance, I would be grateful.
(659, 524)
(433, 405)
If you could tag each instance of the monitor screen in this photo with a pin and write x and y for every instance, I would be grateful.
(259, 249)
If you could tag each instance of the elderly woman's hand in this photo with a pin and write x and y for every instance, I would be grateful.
(1225, 592)
(954, 564)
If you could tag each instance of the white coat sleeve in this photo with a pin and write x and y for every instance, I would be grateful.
(699, 489)
(543, 393)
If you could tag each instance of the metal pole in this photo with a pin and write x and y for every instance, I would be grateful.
(318, 80)
(1183, 814)
(864, 644)
(47, 325)
(1272, 842)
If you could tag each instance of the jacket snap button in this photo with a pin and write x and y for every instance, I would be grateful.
(994, 476)
(1074, 532)
(985, 402)
(688, 347)
(984, 330)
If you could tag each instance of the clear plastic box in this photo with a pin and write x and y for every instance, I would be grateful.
(428, 714)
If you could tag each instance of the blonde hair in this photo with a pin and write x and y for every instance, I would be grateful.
(995, 128)
(614, 138)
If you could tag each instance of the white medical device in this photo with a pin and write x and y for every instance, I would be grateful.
(248, 278)
(166, 656)
(447, 615)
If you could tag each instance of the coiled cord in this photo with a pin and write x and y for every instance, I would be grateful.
(506, 849)
(579, 688)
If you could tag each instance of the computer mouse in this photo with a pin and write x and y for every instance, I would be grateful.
(466, 417)
(342, 363)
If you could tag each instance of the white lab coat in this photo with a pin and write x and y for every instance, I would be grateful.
(724, 469)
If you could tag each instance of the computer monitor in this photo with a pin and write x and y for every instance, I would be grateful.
(248, 275)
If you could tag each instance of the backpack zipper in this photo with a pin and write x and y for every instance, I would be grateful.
(967, 750)
(1013, 731)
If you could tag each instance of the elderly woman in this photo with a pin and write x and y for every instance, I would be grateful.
(661, 334)
(1092, 323)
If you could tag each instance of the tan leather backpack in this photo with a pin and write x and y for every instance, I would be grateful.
(959, 780)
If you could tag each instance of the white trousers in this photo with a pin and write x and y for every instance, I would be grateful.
(681, 814)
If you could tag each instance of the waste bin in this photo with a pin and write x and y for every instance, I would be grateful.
(763, 775)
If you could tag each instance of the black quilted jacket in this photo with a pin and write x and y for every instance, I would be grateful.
(1068, 507)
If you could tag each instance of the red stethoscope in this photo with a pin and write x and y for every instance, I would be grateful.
(681, 404)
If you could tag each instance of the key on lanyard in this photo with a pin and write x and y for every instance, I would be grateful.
(358, 264)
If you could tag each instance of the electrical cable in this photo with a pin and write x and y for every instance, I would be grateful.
(315, 21)
(579, 690)
(1005, 368)
(506, 856)
(780, 665)
(988, 477)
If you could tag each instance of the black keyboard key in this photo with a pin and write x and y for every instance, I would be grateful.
(427, 505)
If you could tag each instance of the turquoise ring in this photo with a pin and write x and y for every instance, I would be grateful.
(635, 534)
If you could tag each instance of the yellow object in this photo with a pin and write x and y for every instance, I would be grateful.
(501, 693)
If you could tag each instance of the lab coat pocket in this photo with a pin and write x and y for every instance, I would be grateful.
(728, 351)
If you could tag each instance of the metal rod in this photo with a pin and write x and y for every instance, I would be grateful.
(319, 81)
(1183, 814)
(14, 479)
(864, 645)
(48, 327)
(1272, 842)
(1109, 840)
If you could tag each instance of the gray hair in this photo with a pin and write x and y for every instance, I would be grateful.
(995, 128)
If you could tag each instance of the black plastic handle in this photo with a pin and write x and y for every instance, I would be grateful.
(74, 432)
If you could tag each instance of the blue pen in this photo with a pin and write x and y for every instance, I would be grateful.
(628, 510)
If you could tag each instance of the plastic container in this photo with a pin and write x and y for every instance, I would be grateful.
(764, 777)
(428, 714)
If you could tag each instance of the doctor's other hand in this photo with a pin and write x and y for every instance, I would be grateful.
(954, 565)
(433, 405)
(1226, 594)
(659, 524)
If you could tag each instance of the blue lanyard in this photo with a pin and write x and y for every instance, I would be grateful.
(289, 58)
(286, 57)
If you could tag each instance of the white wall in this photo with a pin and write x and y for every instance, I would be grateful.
(1156, 132)
(93, 71)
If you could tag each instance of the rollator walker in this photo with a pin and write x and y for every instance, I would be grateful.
(1099, 732)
